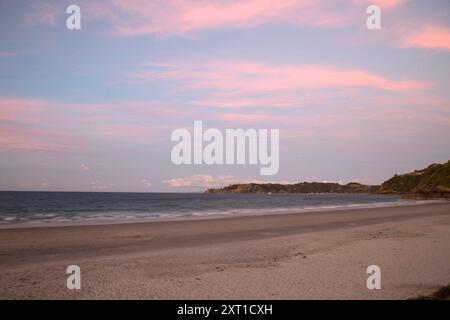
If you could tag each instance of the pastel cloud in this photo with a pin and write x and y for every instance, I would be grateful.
(45, 125)
(18, 138)
(146, 183)
(250, 78)
(13, 108)
(172, 17)
(315, 122)
(98, 186)
(200, 181)
(385, 4)
(233, 102)
(43, 13)
(252, 119)
(431, 37)
(179, 17)
(373, 111)
(84, 167)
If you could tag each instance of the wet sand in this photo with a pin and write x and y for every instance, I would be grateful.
(315, 255)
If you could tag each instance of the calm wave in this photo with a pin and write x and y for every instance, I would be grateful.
(70, 208)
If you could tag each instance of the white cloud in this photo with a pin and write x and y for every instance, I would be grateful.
(146, 182)
(98, 186)
(200, 181)
(84, 167)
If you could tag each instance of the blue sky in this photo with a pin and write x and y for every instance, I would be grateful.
(93, 109)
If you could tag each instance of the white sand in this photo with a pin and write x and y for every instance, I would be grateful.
(303, 256)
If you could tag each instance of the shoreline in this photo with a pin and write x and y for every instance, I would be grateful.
(317, 255)
(214, 216)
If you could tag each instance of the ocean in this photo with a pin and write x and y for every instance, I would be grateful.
(33, 209)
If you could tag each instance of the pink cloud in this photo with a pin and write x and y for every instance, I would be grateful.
(388, 4)
(171, 17)
(251, 118)
(181, 17)
(14, 138)
(36, 124)
(138, 133)
(43, 13)
(35, 111)
(293, 121)
(233, 102)
(11, 108)
(432, 37)
(256, 78)
(25, 127)
(311, 98)
(33, 124)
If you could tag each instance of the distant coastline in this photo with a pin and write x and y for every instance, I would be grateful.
(431, 182)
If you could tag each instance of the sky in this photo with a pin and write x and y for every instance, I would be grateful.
(93, 109)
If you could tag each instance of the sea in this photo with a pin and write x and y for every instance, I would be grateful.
(37, 209)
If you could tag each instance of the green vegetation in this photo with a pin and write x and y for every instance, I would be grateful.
(431, 182)
(302, 187)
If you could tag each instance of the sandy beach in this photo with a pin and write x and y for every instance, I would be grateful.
(316, 255)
